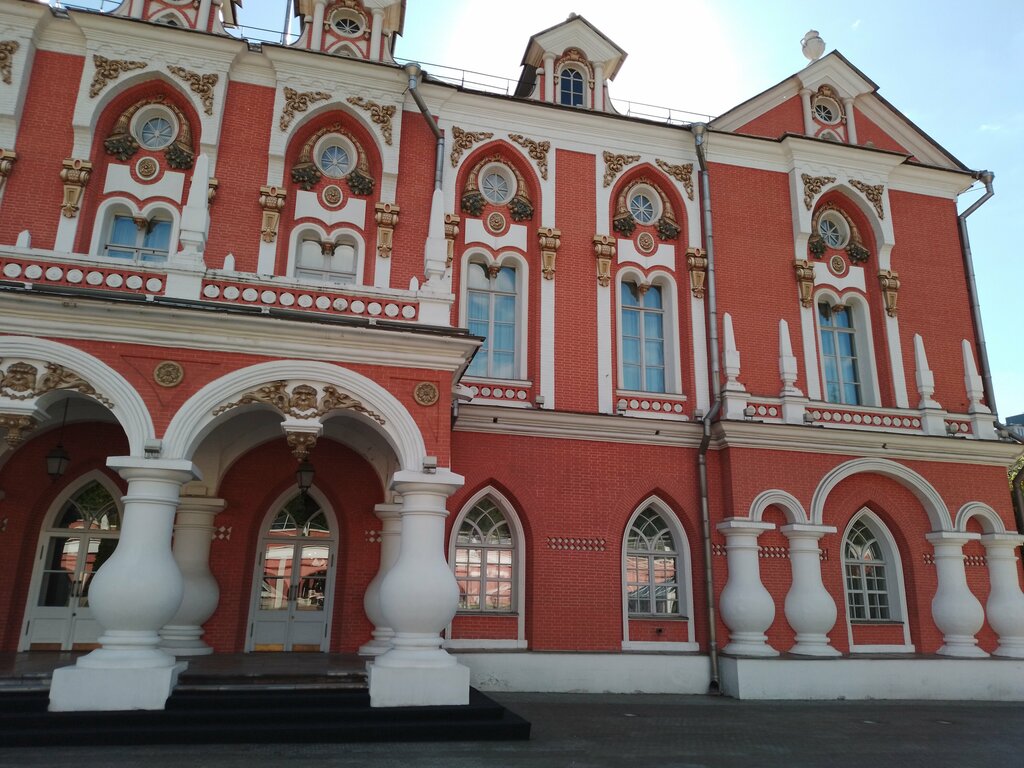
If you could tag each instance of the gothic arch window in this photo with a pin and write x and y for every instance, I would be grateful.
(485, 560)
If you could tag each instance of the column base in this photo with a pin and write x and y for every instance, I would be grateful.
(183, 641)
(381, 642)
(418, 686)
(965, 647)
(1010, 650)
(91, 689)
(813, 645)
(749, 644)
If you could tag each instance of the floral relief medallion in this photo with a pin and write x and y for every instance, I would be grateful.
(425, 393)
(333, 195)
(147, 168)
(496, 222)
(645, 242)
(838, 264)
(168, 374)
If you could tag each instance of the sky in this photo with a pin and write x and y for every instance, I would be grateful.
(955, 69)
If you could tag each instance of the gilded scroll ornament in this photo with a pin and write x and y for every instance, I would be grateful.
(302, 402)
(381, 114)
(451, 231)
(805, 280)
(201, 85)
(613, 165)
(108, 70)
(298, 101)
(7, 158)
(537, 150)
(681, 173)
(604, 252)
(550, 241)
(17, 425)
(813, 186)
(75, 175)
(23, 381)
(301, 443)
(890, 284)
(386, 216)
(697, 264)
(271, 201)
(873, 192)
(7, 50)
(465, 140)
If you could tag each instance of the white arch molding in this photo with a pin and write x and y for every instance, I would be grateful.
(194, 420)
(991, 522)
(788, 503)
(129, 408)
(935, 507)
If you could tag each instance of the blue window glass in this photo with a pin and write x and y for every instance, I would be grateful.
(570, 87)
(642, 338)
(138, 239)
(839, 354)
(491, 312)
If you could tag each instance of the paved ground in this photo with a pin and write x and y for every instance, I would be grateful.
(586, 731)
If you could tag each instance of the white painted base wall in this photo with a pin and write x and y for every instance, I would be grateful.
(921, 679)
(588, 672)
(82, 689)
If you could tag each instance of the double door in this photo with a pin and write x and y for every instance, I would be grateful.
(294, 594)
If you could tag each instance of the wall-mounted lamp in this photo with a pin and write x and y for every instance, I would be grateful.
(304, 477)
(57, 460)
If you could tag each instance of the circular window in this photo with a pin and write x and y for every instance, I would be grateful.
(335, 156)
(833, 229)
(827, 111)
(155, 127)
(347, 24)
(497, 184)
(644, 204)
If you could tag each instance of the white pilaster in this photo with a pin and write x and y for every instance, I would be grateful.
(604, 349)
(376, 30)
(193, 535)
(810, 609)
(547, 342)
(805, 101)
(745, 605)
(317, 38)
(793, 400)
(132, 596)
(899, 375)
(851, 121)
(419, 597)
(203, 16)
(1005, 605)
(390, 516)
(549, 77)
(598, 87)
(956, 611)
(808, 341)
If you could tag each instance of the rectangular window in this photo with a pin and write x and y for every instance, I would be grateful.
(642, 338)
(839, 354)
(492, 309)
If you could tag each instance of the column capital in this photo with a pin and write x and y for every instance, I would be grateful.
(807, 531)
(1000, 540)
(135, 467)
(741, 525)
(386, 512)
(440, 481)
(939, 538)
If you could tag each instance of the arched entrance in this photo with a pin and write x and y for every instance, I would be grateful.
(293, 581)
(81, 536)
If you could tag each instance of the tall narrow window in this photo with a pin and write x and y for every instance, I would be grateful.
(642, 338)
(839, 354)
(867, 579)
(139, 239)
(484, 560)
(652, 560)
(492, 296)
(570, 87)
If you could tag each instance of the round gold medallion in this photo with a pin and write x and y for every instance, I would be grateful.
(147, 168)
(645, 242)
(333, 195)
(837, 264)
(168, 373)
(496, 222)
(426, 393)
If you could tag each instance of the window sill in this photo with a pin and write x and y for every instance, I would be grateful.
(472, 612)
(876, 622)
(658, 617)
(655, 645)
(651, 405)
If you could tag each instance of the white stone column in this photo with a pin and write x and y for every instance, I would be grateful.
(376, 31)
(317, 30)
(745, 605)
(193, 534)
(598, 87)
(955, 609)
(1005, 606)
(132, 596)
(419, 597)
(810, 609)
(390, 516)
(805, 101)
(549, 78)
(851, 121)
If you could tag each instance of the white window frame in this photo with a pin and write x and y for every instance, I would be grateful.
(522, 297)
(518, 574)
(894, 583)
(684, 581)
(345, 143)
(313, 231)
(867, 369)
(587, 96)
(670, 329)
(150, 111)
(117, 206)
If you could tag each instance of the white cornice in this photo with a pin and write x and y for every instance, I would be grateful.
(177, 328)
(937, 182)
(805, 151)
(906, 134)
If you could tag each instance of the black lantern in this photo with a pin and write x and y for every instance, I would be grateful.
(57, 460)
(304, 477)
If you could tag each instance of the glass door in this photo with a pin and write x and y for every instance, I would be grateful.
(293, 589)
(83, 537)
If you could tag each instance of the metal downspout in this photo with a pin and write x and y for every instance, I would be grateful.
(986, 178)
(699, 134)
(413, 70)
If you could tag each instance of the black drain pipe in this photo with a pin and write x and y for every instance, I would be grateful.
(699, 131)
(413, 70)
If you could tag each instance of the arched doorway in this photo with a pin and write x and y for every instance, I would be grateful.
(293, 583)
(83, 534)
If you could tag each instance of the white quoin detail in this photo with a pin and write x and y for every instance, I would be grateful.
(745, 605)
(955, 609)
(732, 357)
(972, 382)
(924, 376)
(787, 363)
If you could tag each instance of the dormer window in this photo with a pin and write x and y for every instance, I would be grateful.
(347, 23)
(571, 87)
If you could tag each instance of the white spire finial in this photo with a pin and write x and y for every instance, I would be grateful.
(813, 46)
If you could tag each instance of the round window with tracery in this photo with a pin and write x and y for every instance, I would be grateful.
(347, 24)
(827, 111)
(497, 184)
(644, 205)
(335, 156)
(155, 127)
(833, 229)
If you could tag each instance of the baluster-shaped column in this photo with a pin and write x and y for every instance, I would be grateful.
(390, 516)
(956, 611)
(193, 534)
(810, 609)
(745, 605)
(1005, 606)
(419, 597)
(132, 596)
